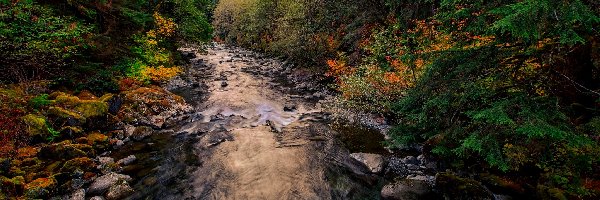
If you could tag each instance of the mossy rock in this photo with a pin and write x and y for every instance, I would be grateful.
(97, 140)
(83, 163)
(66, 150)
(40, 188)
(65, 114)
(502, 185)
(12, 186)
(454, 187)
(36, 125)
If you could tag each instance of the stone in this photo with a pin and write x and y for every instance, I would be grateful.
(408, 189)
(119, 191)
(224, 84)
(103, 183)
(374, 162)
(126, 161)
(97, 198)
(77, 195)
(40, 188)
(396, 168)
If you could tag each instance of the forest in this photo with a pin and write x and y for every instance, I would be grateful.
(507, 91)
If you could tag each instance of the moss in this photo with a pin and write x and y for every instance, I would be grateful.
(27, 152)
(92, 108)
(64, 113)
(54, 166)
(97, 138)
(72, 129)
(66, 150)
(12, 185)
(36, 125)
(106, 97)
(40, 188)
(83, 163)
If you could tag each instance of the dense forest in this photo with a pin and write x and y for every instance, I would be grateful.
(507, 90)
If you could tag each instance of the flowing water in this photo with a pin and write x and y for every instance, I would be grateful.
(247, 139)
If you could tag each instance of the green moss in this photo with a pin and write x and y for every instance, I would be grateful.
(40, 188)
(83, 163)
(36, 125)
(64, 113)
(92, 108)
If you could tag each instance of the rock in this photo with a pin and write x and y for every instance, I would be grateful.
(77, 195)
(97, 198)
(410, 160)
(126, 161)
(396, 168)
(141, 132)
(118, 144)
(66, 150)
(224, 84)
(374, 162)
(119, 191)
(106, 164)
(408, 189)
(454, 187)
(103, 183)
(114, 104)
(40, 188)
(83, 163)
(157, 121)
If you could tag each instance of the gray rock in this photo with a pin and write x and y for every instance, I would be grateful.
(374, 162)
(407, 189)
(77, 195)
(103, 183)
(118, 144)
(126, 161)
(97, 198)
(119, 191)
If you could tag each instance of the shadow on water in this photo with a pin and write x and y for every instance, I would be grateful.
(163, 160)
(361, 139)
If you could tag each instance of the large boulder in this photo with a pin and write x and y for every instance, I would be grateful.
(374, 162)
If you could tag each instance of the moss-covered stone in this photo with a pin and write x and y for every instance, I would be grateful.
(27, 152)
(83, 163)
(98, 140)
(92, 108)
(64, 113)
(66, 150)
(13, 186)
(40, 188)
(36, 125)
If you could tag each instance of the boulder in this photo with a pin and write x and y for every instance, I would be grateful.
(396, 168)
(77, 195)
(40, 188)
(103, 183)
(374, 162)
(119, 191)
(408, 189)
(127, 160)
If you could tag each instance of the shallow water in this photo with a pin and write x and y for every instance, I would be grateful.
(241, 143)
